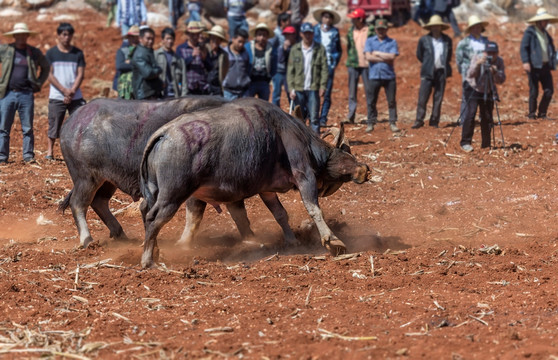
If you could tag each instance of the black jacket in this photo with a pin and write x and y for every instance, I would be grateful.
(531, 51)
(145, 74)
(425, 54)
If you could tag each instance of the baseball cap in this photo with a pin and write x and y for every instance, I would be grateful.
(306, 27)
(381, 23)
(289, 30)
(491, 46)
(357, 13)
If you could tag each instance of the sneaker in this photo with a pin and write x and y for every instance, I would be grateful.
(30, 160)
(467, 148)
(3, 161)
(417, 124)
(394, 128)
(370, 128)
(434, 125)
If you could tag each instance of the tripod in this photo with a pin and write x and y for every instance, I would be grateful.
(489, 88)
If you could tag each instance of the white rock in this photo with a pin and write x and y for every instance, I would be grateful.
(42, 17)
(10, 12)
(155, 19)
(41, 220)
(65, 17)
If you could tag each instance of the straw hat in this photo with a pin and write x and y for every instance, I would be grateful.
(195, 27)
(218, 31)
(542, 15)
(262, 26)
(328, 9)
(436, 20)
(134, 30)
(20, 28)
(474, 20)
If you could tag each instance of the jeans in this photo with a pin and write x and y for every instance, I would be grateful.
(260, 88)
(24, 103)
(279, 81)
(354, 74)
(327, 98)
(390, 88)
(231, 96)
(438, 84)
(309, 101)
(236, 22)
(486, 120)
(544, 76)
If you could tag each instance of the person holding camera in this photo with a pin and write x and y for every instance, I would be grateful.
(194, 52)
(538, 56)
(485, 71)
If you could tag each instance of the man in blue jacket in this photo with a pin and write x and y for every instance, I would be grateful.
(538, 56)
(326, 34)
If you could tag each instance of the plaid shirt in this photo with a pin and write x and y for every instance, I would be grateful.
(196, 68)
(464, 54)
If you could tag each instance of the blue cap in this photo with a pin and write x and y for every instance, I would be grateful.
(306, 27)
(491, 46)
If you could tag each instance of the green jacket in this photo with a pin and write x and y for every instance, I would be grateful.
(35, 59)
(352, 56)
(295, 68)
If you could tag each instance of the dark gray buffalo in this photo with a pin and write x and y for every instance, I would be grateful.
(103, 143)
(235, 151)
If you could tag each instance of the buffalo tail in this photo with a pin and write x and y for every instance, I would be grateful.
(65, 203)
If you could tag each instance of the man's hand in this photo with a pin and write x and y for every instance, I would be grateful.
(67, 100)
(527, 67)
(322, 92)
(293, 94)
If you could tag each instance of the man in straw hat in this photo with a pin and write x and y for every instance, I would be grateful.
(357, 65)
(237, 80)
(218, 58)
(123, 77)
(20, 79)
(327, 34)
(194, 53)
(263, 61)
(467, 48)
(381, 51)
(538, 56)
(173, 75)
(434, 51)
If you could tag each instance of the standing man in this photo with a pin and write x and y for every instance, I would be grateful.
(280, 77)
(327, 34)
(123, 78)
(111, 7)
(67, 67)
(129, 13)
(145, 71)
(434, 52)
(307, 75)
(176, 10)
(263, 61)
(173, 73)
(466, 49)
(381, 51)
(237, 81)
(444, 8)
(297, 9)
(279, 80)
(357, 65)
(20, 79)
(538, 56)
(194, 53)
(484, 66)
(236, 16)
(218, 58)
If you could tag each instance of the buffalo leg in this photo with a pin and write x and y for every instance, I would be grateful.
(272, 202)
(194, 214)
(240, 218)
(82, 197)
(309, 193)
(100, 205)
(160, 214)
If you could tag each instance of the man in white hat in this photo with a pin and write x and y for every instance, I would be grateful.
(218, 58)
(434, 51)
(467, 48)
(20, 79)
(173, 75)
(263, 61)
(538, 56)
(327, 34)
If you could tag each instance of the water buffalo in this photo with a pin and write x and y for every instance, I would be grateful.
(230, 153)
(103, 143)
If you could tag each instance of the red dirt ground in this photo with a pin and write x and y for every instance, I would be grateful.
(428, 220)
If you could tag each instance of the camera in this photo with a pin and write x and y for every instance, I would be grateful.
(489, 59)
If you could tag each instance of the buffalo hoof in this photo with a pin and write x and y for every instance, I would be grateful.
(336, 247)
(120, 237)
(85, 242)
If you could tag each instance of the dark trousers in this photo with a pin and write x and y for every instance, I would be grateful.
(466, 94)
(309, 101)
(438, 84)
(373, 92)
(327, 98)
(544, 76)
(486, 121)
(354, 75)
